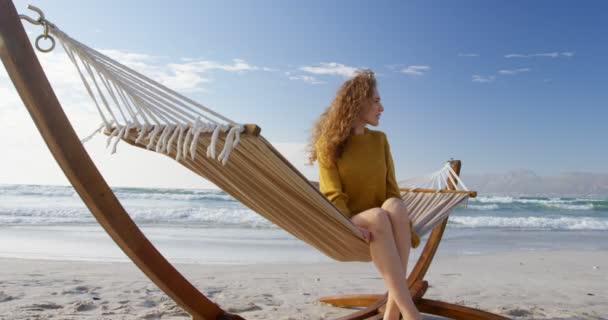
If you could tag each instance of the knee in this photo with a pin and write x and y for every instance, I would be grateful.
(396, 208)
(379, 220)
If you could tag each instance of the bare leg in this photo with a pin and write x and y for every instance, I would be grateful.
(386, 258)
(400, 223)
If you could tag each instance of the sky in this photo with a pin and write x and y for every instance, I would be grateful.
(501, 85)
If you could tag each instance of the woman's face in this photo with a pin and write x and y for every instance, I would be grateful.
(370, 114)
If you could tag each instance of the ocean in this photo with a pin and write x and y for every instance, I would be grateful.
(209, 226)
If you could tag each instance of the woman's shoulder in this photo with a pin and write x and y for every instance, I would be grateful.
(378, 133)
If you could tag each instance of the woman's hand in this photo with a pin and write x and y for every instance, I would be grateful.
(367, 236)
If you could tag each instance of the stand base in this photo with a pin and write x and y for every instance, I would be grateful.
(374, 305)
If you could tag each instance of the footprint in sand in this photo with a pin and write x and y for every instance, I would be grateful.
(124, 308)
(35, 275)
(213, 291)
(121, 306)
(83, 306)
(152, 290)
(5, 297)
(76, 290)
(42, 306)
(451, 274)
(171, 309)
(517, 312)
(154, 315)
(244, 308)
(269, 300)
(148, 304)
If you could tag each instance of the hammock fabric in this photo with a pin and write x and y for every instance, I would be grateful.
(149, 115)
(259, 177)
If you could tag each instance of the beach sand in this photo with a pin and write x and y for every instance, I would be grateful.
(549, 284)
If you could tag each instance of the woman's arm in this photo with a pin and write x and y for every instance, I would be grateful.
(392, 189)
(330, 186)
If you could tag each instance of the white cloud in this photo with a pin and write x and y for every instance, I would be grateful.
(307, 79)
(238, 65)
(393, 67)
(468, 55)
(187, 76)
(491, 78)
(483, 79)
(180, 77)
(514, 71)
(331, 68)
(546, 55)
(129, 58)
(415, 70)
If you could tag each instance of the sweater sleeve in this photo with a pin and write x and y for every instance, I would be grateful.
(330, 186)
(392, 189)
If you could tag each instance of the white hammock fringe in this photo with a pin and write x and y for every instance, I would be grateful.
(94, 133)
(127, 100)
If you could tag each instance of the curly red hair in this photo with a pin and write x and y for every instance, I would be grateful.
(333, 127)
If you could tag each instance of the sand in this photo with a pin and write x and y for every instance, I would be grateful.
(548, 284)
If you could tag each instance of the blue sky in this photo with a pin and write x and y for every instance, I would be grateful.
(501, 85)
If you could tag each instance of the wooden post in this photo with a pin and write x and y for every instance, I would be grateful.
(28, 77)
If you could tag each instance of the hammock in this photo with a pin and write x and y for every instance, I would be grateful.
(147, 114)
(256, 174)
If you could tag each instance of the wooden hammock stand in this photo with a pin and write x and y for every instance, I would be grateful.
(32, 84)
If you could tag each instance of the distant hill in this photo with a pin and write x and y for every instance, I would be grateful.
(527, 182)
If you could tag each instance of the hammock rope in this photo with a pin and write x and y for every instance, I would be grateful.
(126, 99)
(147, 114)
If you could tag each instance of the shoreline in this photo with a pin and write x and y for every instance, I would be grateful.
(547, 284)
(228, 246)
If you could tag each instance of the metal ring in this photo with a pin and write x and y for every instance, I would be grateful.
(45, 37)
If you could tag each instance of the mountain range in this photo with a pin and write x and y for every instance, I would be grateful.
(525, 182)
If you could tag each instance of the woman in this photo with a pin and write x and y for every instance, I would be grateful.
(356, 174)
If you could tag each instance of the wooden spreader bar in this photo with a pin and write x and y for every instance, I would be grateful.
(471, 194)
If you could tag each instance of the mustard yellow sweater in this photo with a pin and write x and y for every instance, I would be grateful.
(363, 177)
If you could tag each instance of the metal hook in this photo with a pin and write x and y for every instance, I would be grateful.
(45, 24)
(38, 21)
